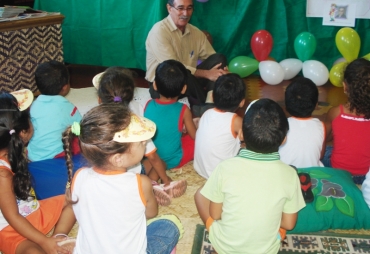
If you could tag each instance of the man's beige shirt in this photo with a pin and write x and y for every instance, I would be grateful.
(165, 41)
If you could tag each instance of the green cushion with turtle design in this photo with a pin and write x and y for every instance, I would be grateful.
(338, 203)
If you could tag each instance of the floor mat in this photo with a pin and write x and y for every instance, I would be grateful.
(319, 242)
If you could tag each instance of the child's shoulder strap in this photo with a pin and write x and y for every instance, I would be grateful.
(147, 103)
(5, 164)
(341, 109)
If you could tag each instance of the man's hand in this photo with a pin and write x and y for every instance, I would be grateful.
(213, 73)
(216, 72)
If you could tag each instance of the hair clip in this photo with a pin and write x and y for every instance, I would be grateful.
(117, 99)
(68, 185)
(76, 128)
(11, 131)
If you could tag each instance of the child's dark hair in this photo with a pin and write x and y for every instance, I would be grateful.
(228, 92)
(97, 129)
(357, 79)
(170, 78)
(13, 119)
(264, 126)
(301, 97)
(116, 85)
(51, 77)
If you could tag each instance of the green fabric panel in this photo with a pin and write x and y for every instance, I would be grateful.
(113, 32)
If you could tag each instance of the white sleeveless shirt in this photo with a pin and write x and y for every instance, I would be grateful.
(215, 141)
(110, 210)
(304, 142)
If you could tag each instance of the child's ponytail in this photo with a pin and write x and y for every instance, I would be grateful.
(66, 139)
(19, 165)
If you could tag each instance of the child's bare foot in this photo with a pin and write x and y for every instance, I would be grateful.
(167, 181)
(176, 188)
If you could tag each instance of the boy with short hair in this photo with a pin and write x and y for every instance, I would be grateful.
(217, 134)
(170, 116)
(249, 197)
(51, 113)
(306, 136)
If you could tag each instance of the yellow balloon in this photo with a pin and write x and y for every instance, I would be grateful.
(367, 57)
(336, 74)
(348, 43)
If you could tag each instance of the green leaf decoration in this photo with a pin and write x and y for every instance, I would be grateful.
(346, 206)
(315, 191)
(315, 173)
(324, 204)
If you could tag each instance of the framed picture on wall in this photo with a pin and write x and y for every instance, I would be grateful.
(339, 14)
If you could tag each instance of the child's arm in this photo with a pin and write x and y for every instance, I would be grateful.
(215, 210)
(324, 141)
(365, 188)
(66, 221)
(288, 220)
(237, 125)
(330, 116)
(189, 124)
(151, 203)
(9, 209)
(160, 167)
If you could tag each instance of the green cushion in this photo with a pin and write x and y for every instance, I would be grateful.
(338, 203)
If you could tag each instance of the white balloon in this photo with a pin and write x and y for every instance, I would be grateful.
(291, 67)
(316, 71)
(271, 72)
(339, 60)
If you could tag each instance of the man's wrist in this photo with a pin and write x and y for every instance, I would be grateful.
(201, 73)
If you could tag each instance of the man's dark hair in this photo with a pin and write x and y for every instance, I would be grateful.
(264, 126)
(51, 77)
(301, 97)
(170, 78)
(170, 2)
(228, 92)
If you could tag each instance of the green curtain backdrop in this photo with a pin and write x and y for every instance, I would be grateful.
(113, 32)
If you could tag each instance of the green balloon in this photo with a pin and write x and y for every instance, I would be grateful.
(243, 66)
(305, 46)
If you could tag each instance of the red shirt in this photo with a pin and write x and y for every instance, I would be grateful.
(351, 143)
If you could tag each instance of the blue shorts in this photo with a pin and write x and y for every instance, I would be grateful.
(142, 170)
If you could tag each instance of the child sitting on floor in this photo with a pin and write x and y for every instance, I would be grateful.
(51, 113)
(170, 116)
(110, 204)
(116, 85)
(305, 144)
(350, 124)
(217, 134)
(249, 197)
(24, 221)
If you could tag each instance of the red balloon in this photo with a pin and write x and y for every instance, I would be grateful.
(261, 44)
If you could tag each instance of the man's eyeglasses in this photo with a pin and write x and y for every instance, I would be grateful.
(182, 9)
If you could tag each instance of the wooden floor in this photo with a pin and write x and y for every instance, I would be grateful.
(329, 95)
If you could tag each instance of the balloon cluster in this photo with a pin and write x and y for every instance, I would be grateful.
(348, 43)
(272, 72)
